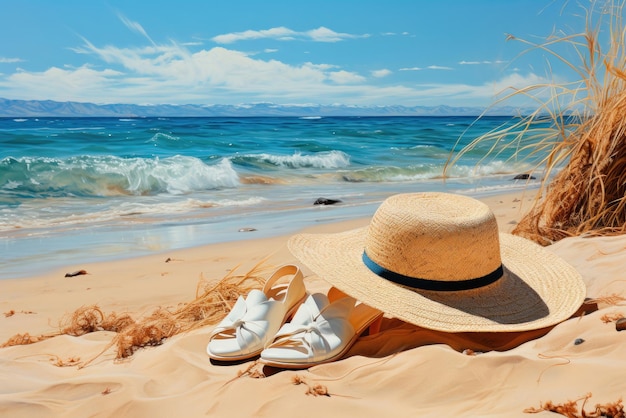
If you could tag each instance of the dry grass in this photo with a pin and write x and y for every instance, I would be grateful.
(212, 302)
(313, 390)
(611, 317)
(25, 339)
(577, 136)
(88, 319)
(570, 409)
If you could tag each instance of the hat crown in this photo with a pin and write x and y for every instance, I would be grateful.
(434, 236)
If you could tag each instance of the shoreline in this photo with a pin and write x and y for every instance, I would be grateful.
(41, 251)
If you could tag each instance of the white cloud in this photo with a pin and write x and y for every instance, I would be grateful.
(275, 33)
(486, 62)
(81, 83)
(135, 27)
(487, 92)
(4, 60)
(345, 77)
(321, 34)
(223, 76)
(519, 81)
(381, 73)
(172, 73)
(167, 73)
(321, 67)
(430, 67)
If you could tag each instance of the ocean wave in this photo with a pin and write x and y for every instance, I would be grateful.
(432, 171)
(320, 160)
(497, 167)
(110, 175)
(383, 174)
(507, 187)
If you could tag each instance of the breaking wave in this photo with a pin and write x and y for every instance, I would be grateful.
(110, 175)
(320, 160)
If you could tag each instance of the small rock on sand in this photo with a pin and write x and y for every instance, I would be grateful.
(76, 273)
(325, 201)
(524, 177)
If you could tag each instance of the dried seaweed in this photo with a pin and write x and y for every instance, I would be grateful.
(570, 409)
(313, 390)
(25, 339)
(212, 302)
(59, 362)
(87, 319)
(76, 273)
(150, 331)
(612, 300)
(82, 321)
(116, 322)
(12, 312)
(611, 317)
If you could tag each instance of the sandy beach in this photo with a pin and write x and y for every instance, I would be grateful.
(401, 371)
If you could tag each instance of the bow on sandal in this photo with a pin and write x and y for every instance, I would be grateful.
(322, 330)
(253, 321)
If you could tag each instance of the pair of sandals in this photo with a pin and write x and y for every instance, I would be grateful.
(322, 327)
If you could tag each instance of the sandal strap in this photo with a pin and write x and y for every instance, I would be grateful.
(295, 289)
(318, 331)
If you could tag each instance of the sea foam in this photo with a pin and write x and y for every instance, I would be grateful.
(320, 160)
(111, 175)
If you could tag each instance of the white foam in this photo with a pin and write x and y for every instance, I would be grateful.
(327, 159)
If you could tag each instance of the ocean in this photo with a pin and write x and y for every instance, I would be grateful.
(75, 190)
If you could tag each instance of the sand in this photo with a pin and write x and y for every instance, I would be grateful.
(401, 371)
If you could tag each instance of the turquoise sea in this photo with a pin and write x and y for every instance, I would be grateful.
(74, 190)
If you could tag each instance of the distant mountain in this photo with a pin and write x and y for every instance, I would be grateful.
(49, 108)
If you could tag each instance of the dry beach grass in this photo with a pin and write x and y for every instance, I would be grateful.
(577, 134)
(213, 301)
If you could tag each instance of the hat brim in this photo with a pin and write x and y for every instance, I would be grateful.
(538, 289)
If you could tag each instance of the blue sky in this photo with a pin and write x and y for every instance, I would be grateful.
(356, 52)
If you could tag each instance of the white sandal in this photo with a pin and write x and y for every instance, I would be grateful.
(322, 330)
(253, 321)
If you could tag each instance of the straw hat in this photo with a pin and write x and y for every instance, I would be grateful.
(437, 260)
